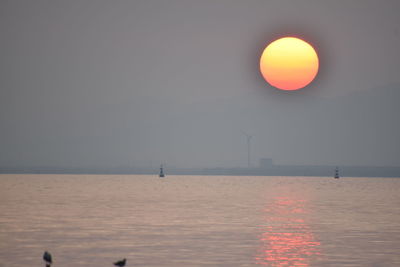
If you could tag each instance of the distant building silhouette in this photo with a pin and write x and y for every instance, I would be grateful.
(265, 163)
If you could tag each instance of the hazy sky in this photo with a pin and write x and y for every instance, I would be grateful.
(135, 83)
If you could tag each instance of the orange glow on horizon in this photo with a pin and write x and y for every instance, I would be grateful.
(289, 63)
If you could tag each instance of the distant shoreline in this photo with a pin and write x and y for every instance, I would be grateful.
(273, 170)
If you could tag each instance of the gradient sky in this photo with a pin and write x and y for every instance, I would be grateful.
(100, 83)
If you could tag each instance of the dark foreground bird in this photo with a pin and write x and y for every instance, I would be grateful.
(120, 263)
(47, 258)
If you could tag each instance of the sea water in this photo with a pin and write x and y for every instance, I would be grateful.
(95, 220)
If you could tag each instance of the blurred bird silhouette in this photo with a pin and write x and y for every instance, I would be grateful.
(120, 263)
(47, 258)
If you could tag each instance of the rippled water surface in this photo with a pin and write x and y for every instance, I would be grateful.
(94, 220)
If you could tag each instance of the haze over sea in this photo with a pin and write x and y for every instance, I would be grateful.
(94, 220)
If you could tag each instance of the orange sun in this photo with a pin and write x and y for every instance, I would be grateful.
(289, 63)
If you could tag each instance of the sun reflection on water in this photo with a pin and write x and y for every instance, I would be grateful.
(287, 239)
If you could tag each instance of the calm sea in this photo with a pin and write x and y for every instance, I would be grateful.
(95, 220)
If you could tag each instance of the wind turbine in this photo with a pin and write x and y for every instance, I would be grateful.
(248, 138)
